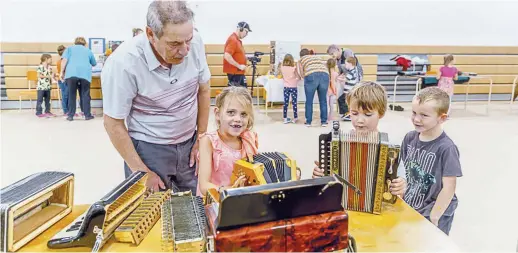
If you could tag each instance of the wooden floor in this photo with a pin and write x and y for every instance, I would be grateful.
(485, 220)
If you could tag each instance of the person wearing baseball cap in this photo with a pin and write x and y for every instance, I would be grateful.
(234, 59)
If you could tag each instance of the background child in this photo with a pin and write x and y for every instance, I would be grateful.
(44, 85)
(232, 141)
(62, 86)
(333, 86)
(446, 75)
(351, 79)
(291, 78)
(368, 104)
(431, 160)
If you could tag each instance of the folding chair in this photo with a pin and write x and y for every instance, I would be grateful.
(32, 76)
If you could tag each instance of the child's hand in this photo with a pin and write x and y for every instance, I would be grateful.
(398, 186)
(240, 182)
(317, 172)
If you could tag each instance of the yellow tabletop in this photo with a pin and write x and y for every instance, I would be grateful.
(398, 228)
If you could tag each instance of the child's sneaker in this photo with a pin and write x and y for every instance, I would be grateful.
(286, 121)
(40, 115)
(49, 115)
(294, 121)
(346, 117)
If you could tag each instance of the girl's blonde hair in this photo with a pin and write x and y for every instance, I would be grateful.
(331, 64)
(242, 96)
(288, 60)
(448, 59)
(45, 57)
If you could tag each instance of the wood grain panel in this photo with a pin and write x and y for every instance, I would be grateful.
(419, 49)
(26, 59)
(217, 59)
(21, 71)
(485, 69)
(13, 94)
(217, 70)
(476, 59)
(31, 47)
(482, 89)
(249, 48)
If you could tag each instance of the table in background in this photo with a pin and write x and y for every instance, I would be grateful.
(398, 228)
(274, 88)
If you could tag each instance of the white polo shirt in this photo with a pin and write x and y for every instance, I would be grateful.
(160, 105)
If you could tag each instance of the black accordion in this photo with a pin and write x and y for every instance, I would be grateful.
(266, 168)
(366, 160)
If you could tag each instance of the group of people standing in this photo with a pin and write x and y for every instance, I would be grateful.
(74, 74)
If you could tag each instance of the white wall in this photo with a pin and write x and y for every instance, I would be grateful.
(380, 22)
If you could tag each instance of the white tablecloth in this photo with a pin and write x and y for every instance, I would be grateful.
(275, 89)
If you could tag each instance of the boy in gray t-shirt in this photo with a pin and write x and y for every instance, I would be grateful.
(431, 160)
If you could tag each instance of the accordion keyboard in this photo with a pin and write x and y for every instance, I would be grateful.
(103, 217)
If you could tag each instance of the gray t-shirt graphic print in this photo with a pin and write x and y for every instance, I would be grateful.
(425, 165)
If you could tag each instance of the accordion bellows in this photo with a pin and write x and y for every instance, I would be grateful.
(33, 204)
(267, 168)
(366, 160)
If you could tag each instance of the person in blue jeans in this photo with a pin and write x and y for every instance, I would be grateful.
(316, 79)
(62, 85)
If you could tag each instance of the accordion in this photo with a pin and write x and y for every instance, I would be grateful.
(267, 168)
(33, 204)
(94, 227)
(135, 228)
(184, 223)
(366, 160)
(296, 216)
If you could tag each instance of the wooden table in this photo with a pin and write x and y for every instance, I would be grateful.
(398, 228)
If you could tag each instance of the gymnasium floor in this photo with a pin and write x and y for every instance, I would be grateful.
(485, 220)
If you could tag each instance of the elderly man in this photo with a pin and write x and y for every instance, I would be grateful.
(158, 83)
(234, 59)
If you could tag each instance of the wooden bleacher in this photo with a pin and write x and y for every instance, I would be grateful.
(498, 61)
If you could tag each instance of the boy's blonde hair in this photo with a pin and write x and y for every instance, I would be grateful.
(44, 58)
(80, 41)
(448, 59)
(441, 98)
(368, 96)
(242, 96)
(351, 60)
(288, 60)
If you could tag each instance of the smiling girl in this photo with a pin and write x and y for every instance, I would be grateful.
(232, 141)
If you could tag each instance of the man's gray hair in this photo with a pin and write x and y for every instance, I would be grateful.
(162, 12)
(333, 48)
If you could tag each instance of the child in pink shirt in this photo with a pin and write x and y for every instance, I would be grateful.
(333, 85)
(291, 78)
(446, 76)
(233, 140)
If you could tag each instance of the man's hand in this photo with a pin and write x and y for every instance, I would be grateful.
(154, 182)
(194, 153)
(398, 186)
(242, 67)
(317, 172)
